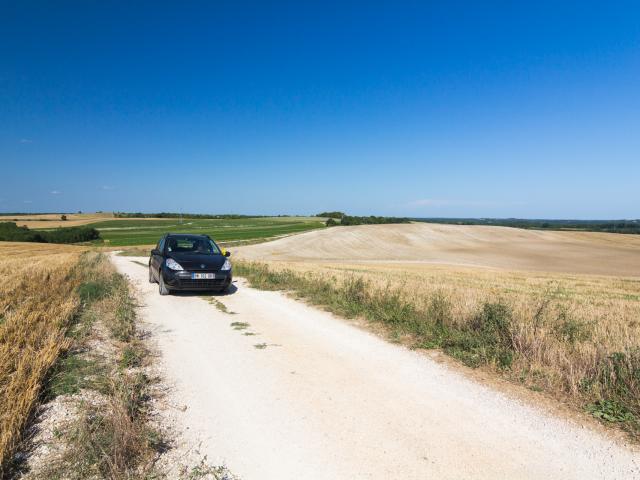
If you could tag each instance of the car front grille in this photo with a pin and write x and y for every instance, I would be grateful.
(202, 283)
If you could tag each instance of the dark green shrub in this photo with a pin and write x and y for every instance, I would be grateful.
(617, 379)
(371, 220)
(486, 340)
(10, 232)
(610, 411)
(70, 235)
(93, 290)
(391, 308)
(337, 215)
(571, 331)
(494, 322)
(439, 309)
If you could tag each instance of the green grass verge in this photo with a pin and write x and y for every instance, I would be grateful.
(485, 341)
(110, 437)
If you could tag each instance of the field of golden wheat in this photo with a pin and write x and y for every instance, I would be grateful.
(37, 304)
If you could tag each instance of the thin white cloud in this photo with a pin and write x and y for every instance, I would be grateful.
(108, 187)
(26, 140)
(27, 201)
(55, 192)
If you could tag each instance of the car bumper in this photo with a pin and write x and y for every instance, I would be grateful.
(182, 280)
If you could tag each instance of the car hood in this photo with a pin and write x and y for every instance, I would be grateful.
(193, 261)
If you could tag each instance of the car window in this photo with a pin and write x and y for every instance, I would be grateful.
(195, 245)
(161, 245)
(214, 247)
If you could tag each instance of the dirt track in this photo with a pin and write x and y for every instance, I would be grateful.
(322, 399)
(472, 245)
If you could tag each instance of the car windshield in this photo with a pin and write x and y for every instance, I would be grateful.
(200, 246)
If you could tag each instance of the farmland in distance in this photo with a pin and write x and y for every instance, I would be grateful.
(129, 232)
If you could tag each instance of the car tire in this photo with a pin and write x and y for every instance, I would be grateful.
(151, 279)
(162, 288)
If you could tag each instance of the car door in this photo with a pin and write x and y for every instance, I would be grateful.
(156, 257)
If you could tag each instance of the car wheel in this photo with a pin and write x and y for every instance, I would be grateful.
(151, 279)
(162, 288)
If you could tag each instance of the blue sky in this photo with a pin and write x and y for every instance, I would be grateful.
(492, 109)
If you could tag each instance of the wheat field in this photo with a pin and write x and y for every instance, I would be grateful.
(37, 304)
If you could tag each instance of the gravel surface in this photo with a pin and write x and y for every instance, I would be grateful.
(310, 396)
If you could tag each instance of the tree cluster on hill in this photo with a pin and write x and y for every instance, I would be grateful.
(331, 214)
(371, 220)
(10, 232)
(610, 226)
(341, 218)
(231, 216)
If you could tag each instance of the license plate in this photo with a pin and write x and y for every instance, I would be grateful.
(203, 276)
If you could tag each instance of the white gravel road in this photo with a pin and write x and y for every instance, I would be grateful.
(325, 400)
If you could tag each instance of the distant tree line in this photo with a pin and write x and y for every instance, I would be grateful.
(10, 232)
(345, 219)
(610, 226)
(184, 215)
(371, 220)
(331, 214)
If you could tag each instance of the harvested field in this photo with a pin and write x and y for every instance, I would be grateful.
(566, 331)
(461, 245)
(52, 220)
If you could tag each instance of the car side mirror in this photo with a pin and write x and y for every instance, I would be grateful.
(155, 251)
(227, 253)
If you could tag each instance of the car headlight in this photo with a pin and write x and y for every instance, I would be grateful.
(226, 265)
(173, 265)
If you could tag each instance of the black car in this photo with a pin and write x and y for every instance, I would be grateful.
(189, 262)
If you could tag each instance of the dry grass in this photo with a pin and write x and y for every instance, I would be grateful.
(37, 305)
(575, 336)
(109, 438)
